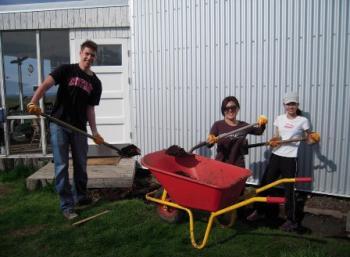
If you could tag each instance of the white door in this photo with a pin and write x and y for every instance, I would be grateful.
(111, 67)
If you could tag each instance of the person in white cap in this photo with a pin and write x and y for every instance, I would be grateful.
(283, 160)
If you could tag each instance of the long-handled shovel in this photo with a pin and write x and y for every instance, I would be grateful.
(315, 136)
(177, 151)
(125, 152)
(277, 142)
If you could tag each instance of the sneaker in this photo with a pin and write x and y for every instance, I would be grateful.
(289, 226)
(85, 203)
(254, 216)
(70, 214)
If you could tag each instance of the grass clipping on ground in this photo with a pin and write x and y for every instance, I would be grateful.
(32, 225)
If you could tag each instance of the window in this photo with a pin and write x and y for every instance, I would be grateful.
(109, 55)
(21, 80)
(54, 52)
(20, 66)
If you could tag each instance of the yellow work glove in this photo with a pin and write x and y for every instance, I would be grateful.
(262, 120)
(32, 108)
(98, 139)
(313, 138)
(274, 142)
(212, 139)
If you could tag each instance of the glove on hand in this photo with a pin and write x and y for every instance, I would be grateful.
(212, 139)
(262, 120)
(274, 142)
(33, 109)
(313, 137)
(98, 139)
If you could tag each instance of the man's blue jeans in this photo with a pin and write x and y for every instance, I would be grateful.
(61, 139)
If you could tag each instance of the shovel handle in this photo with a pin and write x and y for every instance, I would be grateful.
(68, 126)
(280, 142)
(237, 130)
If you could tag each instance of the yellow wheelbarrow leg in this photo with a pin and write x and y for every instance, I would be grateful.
(213, 215)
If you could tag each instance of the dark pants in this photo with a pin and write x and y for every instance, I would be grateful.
(286, 168)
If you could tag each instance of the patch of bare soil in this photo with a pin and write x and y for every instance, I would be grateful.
(328, 203)
(28, 231)
(144, 182)
(4, 190)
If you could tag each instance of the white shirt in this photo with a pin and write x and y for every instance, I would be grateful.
(288, 129)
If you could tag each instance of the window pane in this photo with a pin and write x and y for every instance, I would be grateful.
(24, 135)
(54, 52)
(109, 55)
(20, 68)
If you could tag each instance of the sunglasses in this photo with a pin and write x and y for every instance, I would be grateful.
(230, 108)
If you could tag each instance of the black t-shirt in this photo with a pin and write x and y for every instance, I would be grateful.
(76, 91)
(229, 149)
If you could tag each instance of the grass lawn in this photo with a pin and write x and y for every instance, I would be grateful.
(32, 225)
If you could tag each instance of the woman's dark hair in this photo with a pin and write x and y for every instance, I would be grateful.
(226, 101)
(299, 112)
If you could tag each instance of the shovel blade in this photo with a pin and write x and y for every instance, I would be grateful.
(130, 151)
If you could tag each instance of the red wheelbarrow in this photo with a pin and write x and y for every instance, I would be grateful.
(198, 183)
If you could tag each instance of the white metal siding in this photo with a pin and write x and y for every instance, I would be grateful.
(189, 54)
(66, 18)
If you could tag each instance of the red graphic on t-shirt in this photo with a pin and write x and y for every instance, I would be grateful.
(289, 125)
(81, 83)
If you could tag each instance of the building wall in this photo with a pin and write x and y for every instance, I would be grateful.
(189, 54)
(114, 16)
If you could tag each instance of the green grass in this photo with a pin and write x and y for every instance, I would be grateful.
(32, 225)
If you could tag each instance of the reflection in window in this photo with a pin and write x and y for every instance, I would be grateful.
(19, 57)
(21, 80)
(54, 46)
(109, 55)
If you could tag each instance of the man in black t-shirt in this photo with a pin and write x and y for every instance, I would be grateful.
(78, 93)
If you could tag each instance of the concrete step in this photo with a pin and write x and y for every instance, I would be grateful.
(102, 173)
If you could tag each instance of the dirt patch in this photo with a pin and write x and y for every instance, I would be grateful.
(328, 203)
(28, 231)
(4, 190)
(144, 183)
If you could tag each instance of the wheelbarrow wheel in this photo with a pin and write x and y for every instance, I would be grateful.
(167, 213)
(228, 219)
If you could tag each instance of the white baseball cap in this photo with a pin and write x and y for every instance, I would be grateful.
(291, 97)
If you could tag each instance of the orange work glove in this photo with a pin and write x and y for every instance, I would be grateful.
(32, 108)
(262, 120)
(313, 138)
(212, 139)
(275, 141)
(98, 139)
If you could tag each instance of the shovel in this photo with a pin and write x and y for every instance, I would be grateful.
(177, 151)
(125, 152)
(315, 136)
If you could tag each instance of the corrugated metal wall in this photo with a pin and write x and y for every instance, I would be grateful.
(189, 54)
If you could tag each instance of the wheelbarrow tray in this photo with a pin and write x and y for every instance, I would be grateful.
(197, 182)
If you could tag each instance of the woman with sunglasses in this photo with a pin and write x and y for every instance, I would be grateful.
(231, 149)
